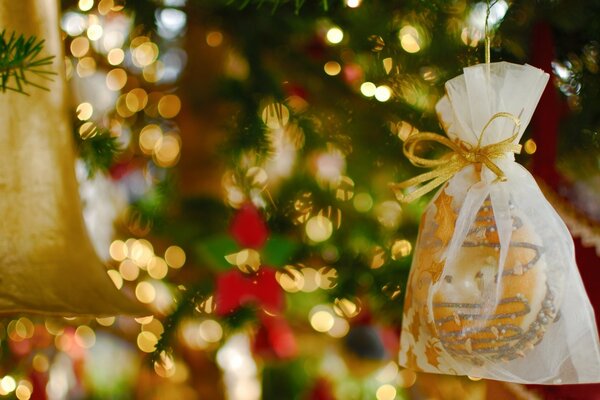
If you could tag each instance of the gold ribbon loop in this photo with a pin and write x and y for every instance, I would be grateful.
(461, 154)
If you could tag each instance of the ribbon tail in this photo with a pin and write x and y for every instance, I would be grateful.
(502, 217)
(436, 177)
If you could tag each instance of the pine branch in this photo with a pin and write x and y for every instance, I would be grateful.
(275, 4)
(97, 149)
(185, 307)
(20, 60)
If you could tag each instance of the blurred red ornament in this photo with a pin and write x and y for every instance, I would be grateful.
(248, 227)
(235, 289)
(274, 339)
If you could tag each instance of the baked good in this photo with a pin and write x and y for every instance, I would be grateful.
(480, 319)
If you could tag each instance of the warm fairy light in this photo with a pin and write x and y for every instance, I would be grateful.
(383, 93)
(275, 115)
(88, 130)
(340, 328)
(386, 392)
(167, 151)
(165, 368)
(530, 146)
(24, 328)
(54, 326)
(154, 72)
(190, 333)
(73, 23)
(141, 252)
(105, 6)
(80, 46)
(85, 337)
(319, 228)
(40, 362)
(210, 330)
(477, 14)
(322, 320)
(113, 39)
(377, 258)
(144, 320)
(7, 385)
(388, 373)
(145, 292)
(115, 56)
(145, 54)
(311, 280)
(335, 35)
(146, 341)
(290, 279)
(86, 67)
(175, 257)
(116, 277)
(169, 106)
(401, 248)
(247, 260)
(346, 308)
(122, 108)
(129, 270)
(157, 268)
(154, 326)
(388, 63)
(84, 111)
(327, 278)
(345, 189)
(332, 68)
(85, 5)
(410, 39)
(116, 79)
(149, 139)
(136, 99)
(368, 89)
(362, 202)
(94, 32)
(407, 378)
(353, 3)
(106, 321)
(24, 390)
(207, 305)
(214, 38)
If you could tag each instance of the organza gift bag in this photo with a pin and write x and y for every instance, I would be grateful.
(494, 291)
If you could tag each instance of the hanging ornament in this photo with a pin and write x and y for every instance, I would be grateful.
(494, 290)
(48, 265)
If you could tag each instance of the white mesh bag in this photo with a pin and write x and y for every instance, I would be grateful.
(494, 291)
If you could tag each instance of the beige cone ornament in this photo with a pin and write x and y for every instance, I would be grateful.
(47, 263)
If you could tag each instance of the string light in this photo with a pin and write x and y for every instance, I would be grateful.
(368, 89)
(383, 93)
(335, 35)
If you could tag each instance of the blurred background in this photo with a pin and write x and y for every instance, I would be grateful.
(234, 164)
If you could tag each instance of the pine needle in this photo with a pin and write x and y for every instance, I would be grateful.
(20, 60)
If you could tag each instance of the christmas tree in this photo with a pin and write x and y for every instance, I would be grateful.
(234, 163)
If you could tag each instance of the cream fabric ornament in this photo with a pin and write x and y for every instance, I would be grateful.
(494, 291)
(47, 263)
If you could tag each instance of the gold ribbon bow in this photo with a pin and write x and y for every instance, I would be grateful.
(461, 155)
